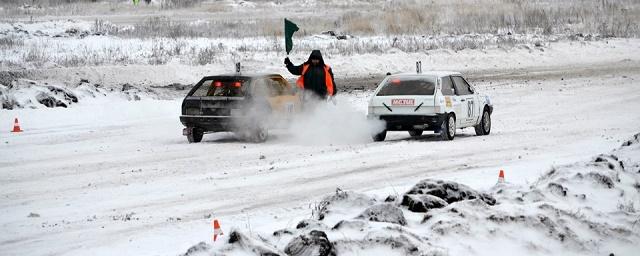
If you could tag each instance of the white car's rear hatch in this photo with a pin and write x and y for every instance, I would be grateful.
(404, 95)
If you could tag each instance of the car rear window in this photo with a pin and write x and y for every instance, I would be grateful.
(222, 87)
(408, 86)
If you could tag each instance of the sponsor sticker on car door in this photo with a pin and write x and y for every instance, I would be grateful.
(403, 102)
(447, 100)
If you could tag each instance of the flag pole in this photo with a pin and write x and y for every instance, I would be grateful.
(285, 37)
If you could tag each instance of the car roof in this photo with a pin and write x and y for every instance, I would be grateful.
(429, 73)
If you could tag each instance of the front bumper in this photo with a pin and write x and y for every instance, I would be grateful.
(411, 122)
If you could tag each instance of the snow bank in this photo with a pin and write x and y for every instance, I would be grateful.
(70, 43)
(52, 28)
(586, 208)
(24, 93)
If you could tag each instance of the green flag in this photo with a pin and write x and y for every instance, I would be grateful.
(289, 29)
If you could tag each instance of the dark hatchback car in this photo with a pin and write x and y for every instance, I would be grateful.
(246, 104)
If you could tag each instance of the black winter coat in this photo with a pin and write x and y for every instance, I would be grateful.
(314, 78)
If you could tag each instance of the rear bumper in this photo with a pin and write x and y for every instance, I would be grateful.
(412, 122)
(210, 123)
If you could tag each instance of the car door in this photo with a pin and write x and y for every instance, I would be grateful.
(292, 95)
(451, 102)
(283, 101)
(465, 97)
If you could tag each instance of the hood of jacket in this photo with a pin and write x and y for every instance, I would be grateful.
(316, 54)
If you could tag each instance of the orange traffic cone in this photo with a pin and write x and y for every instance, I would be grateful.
(216, 230)
(501, 177)
(16, 126)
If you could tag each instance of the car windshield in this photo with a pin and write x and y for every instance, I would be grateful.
(222, 87)
(408, 86)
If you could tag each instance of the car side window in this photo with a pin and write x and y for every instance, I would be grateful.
(462, 87)
(278, 87)
(203, 89)
(447, 86)
(260, 87)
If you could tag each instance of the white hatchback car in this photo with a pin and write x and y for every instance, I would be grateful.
(436, 101)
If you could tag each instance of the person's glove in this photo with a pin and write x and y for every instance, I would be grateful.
(287, 61)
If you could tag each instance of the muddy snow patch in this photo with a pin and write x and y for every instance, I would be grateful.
(430, 194)
(586, 208)
(238, 243)
(31, 94)
(333, 207)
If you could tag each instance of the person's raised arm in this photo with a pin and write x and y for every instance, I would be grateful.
(293, 69)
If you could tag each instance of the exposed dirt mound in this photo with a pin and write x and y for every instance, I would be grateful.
(422, 203)
(315, 243)
(448, 191)
(384, 213)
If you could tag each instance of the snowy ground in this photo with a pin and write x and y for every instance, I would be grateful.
(111, 176)
(574, 209)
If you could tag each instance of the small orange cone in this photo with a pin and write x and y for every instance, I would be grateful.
(501, 177)
(216, 230)
(16, 126)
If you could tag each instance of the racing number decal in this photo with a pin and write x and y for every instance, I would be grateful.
(288, 108)
(470, 108)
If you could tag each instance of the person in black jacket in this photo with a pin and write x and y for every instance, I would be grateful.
(315, 76)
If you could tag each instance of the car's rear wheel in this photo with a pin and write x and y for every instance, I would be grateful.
(448, 129)
(195, 136)
(415, 133)
(484, 127)
(380, 136)
(259, 134)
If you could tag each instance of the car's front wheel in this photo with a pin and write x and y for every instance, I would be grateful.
(448, 129)
(195, 135)
(484, 127)
(380, 136)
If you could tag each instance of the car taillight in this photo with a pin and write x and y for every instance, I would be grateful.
(193, 111)
(217, 84)
(237, 84)
(395, 81)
